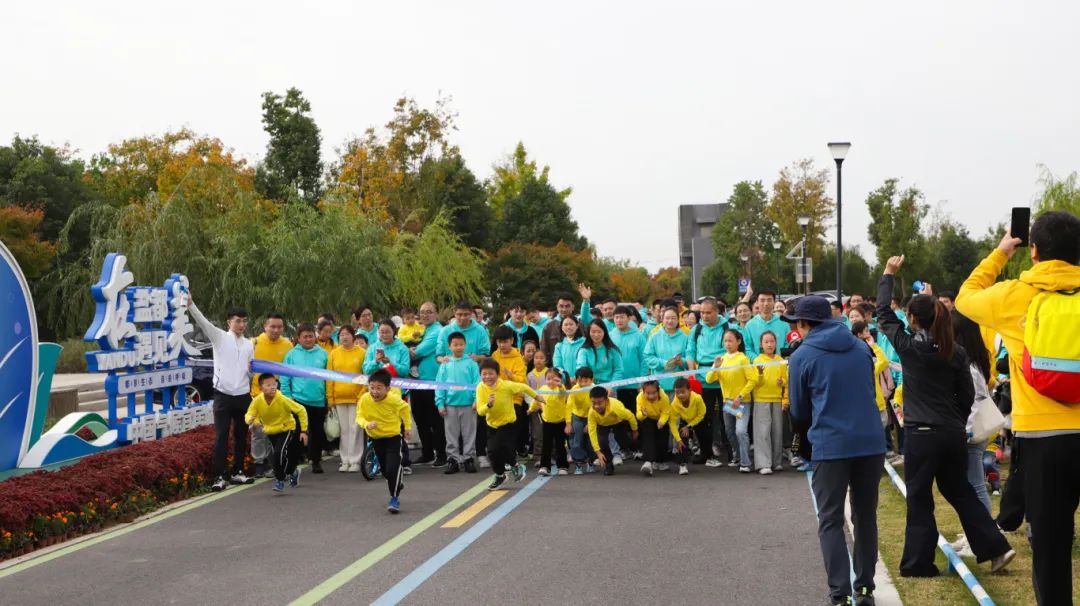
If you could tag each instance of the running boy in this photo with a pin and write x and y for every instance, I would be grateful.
(276, 416)
(495, 402)
(687, 412)
(512, 368)
(382, 414)
(606, 417)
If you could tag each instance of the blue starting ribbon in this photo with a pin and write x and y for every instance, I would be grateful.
(322, 374)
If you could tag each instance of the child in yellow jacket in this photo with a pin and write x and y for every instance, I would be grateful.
(382, 413)
(607, 417)
(553, 416)
(577, 421)
(687, 413)
(653, 415)
(513, 368)
(737, 379)
(273, 413)
(770, 401)
(495, 403)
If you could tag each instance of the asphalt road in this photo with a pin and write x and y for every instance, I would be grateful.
(713, 537)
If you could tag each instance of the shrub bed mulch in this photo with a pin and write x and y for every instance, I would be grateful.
(47, 507)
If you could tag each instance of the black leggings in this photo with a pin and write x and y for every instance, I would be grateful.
(388, 451)
(286, 453)
(229, 410)
(653, 440)
(316, 432)
(500, 444)
(554, 438)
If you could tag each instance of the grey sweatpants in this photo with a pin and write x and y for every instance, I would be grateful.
(768, 434)
(460, 424)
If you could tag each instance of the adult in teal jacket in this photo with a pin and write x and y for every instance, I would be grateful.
(388, 352)
(565, 357)
(599, 353)
(429, 425)
(310, 393)
(704, 345)
(764, 322)
(477, 340)
(631, 344)
(665, 350)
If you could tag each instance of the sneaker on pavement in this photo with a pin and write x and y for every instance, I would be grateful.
(406, 470)
(241, 478)
(470, 465)
(999, 563)
(343, 468)
(522, 471)
(563, 471)
(543, 471)
(426, 460)
(219, 485)
(484, 463)
(796, 461)
(354, 468)
(496, 482)
(864, 597)
(579, 470)
(663, 467)
(713, 462)
(845, 601)
(452, 467)
(617, 460)
(765, 471)
(744, 469)
(804, 466)
(591, 468)
(996, 493)
(439, 462)
(394, 506)
(778, 468)
(609, 470)
(279, 486)
(294, 479)
(646, 468)
(683, 470)
(316, 467)
(731, 464)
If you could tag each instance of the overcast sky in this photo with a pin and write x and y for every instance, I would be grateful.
(639, 106)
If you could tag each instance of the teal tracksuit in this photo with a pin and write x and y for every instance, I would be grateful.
(310, 392)
(662, 347)
(397, 352)
(457, 370)
(565, 356)
(631, 345)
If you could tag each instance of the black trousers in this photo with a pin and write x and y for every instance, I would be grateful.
(554, 437)
(628, 397)
(522, 425)
(388, 451)
(286, 453)
(653, 440)
(937, 454)
(500, 447)
(429, 424)
(830, 483)
(713, 424)
(682, 457)
(1011, 513)
(230, 410)
(622, 436)
(481, 436)
(316, 416)
(1051, 484)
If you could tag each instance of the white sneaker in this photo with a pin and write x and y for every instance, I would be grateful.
(646, 468)
(713, 462)
(663, 466)
(778, 468)
(484, 463)
(406, 470)
(617, 460)
(343, 468)
(563, 471)
(961, 547)
(765, 471)
(354, 468)
(999, 563)
(683, 470)
(744, 470)
(996, 493)
(543, 471)
(638, 455)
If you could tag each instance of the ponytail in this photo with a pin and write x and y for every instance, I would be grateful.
(935, 319)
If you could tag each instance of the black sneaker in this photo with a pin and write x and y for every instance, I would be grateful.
(316, 467)
(452, 467)
(219, 485)
(609, 470)
(845, 601)
(864, 597)
(439, 462)
(497, 481)
(470, 466)
(426, 459)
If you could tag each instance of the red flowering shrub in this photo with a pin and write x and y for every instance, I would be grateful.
(45, 507)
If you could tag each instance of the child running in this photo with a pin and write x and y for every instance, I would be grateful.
(553, 415)
(609, 417)
(687, 412)
(495, 403)
(737, 383)
(653, 412)
(770, 401)
(382, 414)
(276, 415)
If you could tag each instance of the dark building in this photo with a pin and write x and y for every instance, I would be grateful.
(696, 223)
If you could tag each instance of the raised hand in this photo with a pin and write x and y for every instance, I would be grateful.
(893, 265)
(1009, 244)
(585, 292)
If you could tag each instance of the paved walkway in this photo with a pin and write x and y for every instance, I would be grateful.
(713, 537)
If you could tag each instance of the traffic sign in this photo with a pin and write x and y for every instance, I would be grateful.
(744, 285)
(804, 270)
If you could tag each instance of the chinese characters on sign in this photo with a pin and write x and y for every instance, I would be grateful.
(141, 331)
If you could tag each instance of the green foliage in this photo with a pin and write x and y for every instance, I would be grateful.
(292, 166)
(716, 281)
(536, 273)
(539, 215)
(800, 190)
(744, 229)
(18, 228)
(858, 275)
(510, 178)
(446, 186)
(433, 265)
(896, 228)
(37, 176)
(73, 355)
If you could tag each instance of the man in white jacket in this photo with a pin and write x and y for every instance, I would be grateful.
(233, 354)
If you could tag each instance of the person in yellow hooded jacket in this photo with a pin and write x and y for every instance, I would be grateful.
(553, 416)
(1047, 431)
(495, 404)
(343, 397)
(607, 417)
(653, 415)
(272, 347)
(382, 414)
(737, 380)
(687, 413)
(770, 401)
(276, 416)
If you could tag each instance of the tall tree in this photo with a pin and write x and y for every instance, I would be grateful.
(801, 190)
(292, 167)
(510, 178)
(539, 215)
(446, 186)
(536, 273)
(859, 276)
(896, 227)
(18, 231)
(745, 229)
(37, 176)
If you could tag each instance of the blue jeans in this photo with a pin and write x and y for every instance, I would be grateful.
(580, 449)
(992, 469)
(975, 474)
(738, 432)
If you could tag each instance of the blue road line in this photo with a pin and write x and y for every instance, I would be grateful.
(405, 586)
(817, 513)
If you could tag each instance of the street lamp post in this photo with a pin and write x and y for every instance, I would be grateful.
(776, 254)
(804, 222)
(839, 151)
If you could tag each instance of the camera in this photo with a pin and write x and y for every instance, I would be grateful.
(785, 352)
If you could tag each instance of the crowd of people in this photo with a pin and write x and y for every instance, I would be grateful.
(831, 388)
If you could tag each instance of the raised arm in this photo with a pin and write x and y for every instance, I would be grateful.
(888, 323)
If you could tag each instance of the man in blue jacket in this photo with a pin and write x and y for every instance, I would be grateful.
(831, 389)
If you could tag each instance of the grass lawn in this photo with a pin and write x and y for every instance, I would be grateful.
(1013, 586)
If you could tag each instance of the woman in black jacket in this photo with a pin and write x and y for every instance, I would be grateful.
(938, 392)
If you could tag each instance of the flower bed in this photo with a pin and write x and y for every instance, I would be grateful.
(43, 508)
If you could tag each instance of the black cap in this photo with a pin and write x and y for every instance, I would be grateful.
(811, 308)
